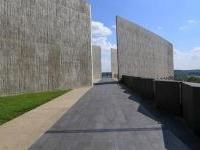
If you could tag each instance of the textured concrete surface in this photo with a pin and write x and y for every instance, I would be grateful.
(191, 104)
(108, 117)
(142, 53)
(114, 63)
(96, 60)
(23, 131)
(44, 45)
(168, 96)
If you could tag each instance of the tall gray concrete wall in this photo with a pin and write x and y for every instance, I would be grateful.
(142, 53)
(114, 63)
(44, 45)
(96, 52)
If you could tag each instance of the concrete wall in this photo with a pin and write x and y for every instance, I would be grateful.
(143, 86)
(114, 63)
(44, 45)
(168, 96)
(142, 53)
(191, 103)
(96, 53)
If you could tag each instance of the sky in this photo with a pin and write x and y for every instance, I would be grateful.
(178, 21)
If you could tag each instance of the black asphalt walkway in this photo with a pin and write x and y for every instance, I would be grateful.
(109, 117)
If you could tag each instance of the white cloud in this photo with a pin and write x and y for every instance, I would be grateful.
(103, 42)
(114, 27)
(100, 35)
(185, 60)
(160, 28)
(190, 23)
(99, 29)
(184, 27)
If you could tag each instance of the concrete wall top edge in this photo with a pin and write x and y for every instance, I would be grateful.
(171, 81)
(118, 18)
(192, 84)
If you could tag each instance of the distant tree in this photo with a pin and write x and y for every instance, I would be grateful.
(180, 75)
(193, 79)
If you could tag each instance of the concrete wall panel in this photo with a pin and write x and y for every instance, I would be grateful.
(142, 53)
(168, 96)
(44, 45)
(114, 63)
(96, 52)
(144, 86)
(191, 104)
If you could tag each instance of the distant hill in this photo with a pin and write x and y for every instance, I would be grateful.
(187, 75)
(188, 72)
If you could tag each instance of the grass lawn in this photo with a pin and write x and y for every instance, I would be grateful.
(14, 106)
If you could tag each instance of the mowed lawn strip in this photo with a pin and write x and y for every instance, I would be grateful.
(14, 106)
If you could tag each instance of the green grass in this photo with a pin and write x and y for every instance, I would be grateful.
(14, 106)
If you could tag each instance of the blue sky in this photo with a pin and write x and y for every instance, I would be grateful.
(176, 20)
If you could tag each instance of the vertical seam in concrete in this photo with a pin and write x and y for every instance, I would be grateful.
(91, 43)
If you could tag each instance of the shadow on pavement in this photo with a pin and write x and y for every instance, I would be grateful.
(174, 129)
(106, 81)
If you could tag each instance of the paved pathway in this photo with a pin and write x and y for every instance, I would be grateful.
(21, 132)
(108, 117)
